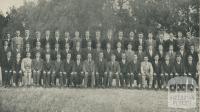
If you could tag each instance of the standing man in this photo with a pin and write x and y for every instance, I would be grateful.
(37, 38)
(120, 39)
(86, 39)
(27, 38)
(26, 69)
(89, 71)
(147, 73)
(113, 71)
(46, 39)
(17, 40)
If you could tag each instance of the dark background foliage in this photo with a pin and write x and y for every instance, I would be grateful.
(126, 15)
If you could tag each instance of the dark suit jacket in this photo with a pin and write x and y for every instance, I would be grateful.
(16, 66)
(48, 66)
(68, 67)
(167, 68)
(101, 66)
(123, 67)
(78, 68)
(115, 67)
(107, 55)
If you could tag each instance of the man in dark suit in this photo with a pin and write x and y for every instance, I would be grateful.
(171, 41)
(161, 41)
(134, 72)
(140, 54)
(150, 53)
(38, 48)
(157, 69)
(191, 68)
(171, 54)
(167, 71)
(76, 39)
(47, 50)
(140, 41)
(108, 52)
(46, 39)
(48, 69)
(68, 67)
(18, 40)
(37, 67)
(96, 40)
(65, 51)
(89, 71)
(7, 69)
(65, 40)
(56, 51)
(113, 71)
(37, 39)
(56, 39)
(120, 39)
(118, 52)
(28, 39)
(108, 39)
(130, 40)
(17, 72)
(77, 50)
(86, 39)
(88, 50)
(101, 74)
(124, 80)
(77, 74)
(194, 54)
(179, 68)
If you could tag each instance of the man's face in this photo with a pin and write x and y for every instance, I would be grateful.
(180, 34)
(67, 34)
(113, 57)
(161, 36)
(76, 34)
(38, 44)
(9, 54)
(150, 35)
(87, 34)
(146, 59)
(131, 34)
(123, 56)
(156, 58)
(37, 55)
(119, 45)
(178, 58)
(68, 56)
(89, 56)
(47, 46)
(98, 45)
(78, 57)
(27, 33)
(57, 34)
(108, 46)
(37, 34)
(18, 56)
(109, 34)
(140, 36)
(47, 56)
(129, 46)
(150, 47)
(8, 35)
(160, 47)
(89, 44)
(18, 33)
(192, 48)
(140, 48)
(120, 34)
(57, 46)
(135, 57)
(189, 34)
(47, 33)
(171, 35)
(98, 34)
(101, 55)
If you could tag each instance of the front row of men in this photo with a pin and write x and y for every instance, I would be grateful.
(48, 73)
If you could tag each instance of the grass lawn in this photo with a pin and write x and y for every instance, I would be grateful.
(82, 100)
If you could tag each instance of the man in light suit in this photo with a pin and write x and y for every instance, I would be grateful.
(147, 72)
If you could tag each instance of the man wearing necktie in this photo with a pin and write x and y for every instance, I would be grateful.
(113, 71)
(89, 70)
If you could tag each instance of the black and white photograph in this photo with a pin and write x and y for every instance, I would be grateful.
(99, 56)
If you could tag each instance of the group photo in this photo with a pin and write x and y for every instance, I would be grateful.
(99, 55)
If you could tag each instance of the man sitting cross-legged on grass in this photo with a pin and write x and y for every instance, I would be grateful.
(146, 73)
(113, 71)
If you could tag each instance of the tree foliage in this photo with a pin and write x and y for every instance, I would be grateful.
(126, 15)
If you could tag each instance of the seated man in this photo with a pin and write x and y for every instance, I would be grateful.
(113, 71)
(48, 69)
(17, 73)
(37, 66)
(57, 74)
(77, 74)
(68, 67)
(134, 73)
(157, 68)
(124, 71)
(89, 70)
(26, 67)
(146, 72)
(101, 74)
